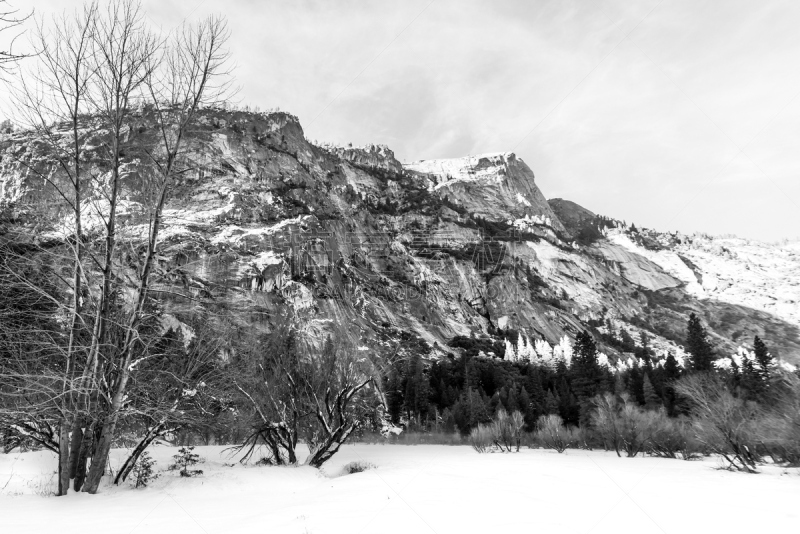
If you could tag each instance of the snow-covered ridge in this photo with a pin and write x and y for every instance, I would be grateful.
(738, 271)
(467, 169)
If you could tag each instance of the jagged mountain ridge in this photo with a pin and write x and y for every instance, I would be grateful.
(266, 223)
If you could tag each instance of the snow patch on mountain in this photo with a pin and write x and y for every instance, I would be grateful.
(748, 273)
(666, 259)
(468, 169)
(738, 271)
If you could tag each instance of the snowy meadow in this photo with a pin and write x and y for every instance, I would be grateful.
(424, 488)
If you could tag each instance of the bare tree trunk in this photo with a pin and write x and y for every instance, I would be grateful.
(84, 452)
(63, 457)
(133, 457)
(75, 447)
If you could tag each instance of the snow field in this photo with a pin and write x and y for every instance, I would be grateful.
(424, 488)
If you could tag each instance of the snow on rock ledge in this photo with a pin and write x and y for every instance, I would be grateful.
(493, 186)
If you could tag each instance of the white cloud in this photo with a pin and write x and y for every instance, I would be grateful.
(661, 112)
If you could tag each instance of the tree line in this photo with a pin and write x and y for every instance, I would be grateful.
(743, 407)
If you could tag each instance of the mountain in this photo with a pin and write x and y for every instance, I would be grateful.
(265, 224)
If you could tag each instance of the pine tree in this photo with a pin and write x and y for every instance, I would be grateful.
(551, 403)
(636, 383)
(651, 398)
(534, 388)
(619, 385)
(763, 357)
(394, 395)
(510, 353)
(512, 402)
(143, 471)
(184, 460)
(671, 373)
(527, 408)
(698, 345)
(750, 378)
(586, 372)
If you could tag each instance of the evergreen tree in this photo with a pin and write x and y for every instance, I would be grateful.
(750, 379)
(586, 371)
(651, 398)
(143, 471)
(636, 383)
(512, 402)
(417, 397)
(619, 385)
(698, 345)
(475, 411)
(671, 373)
(533, 385)
(185, 460)
(627, 342)
(495, 403)
(527, 408)
(763, 357)
(394, 395)
(551, 403)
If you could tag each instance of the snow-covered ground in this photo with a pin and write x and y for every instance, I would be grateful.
(425, 488)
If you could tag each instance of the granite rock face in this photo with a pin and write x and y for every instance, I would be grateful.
(264, 224)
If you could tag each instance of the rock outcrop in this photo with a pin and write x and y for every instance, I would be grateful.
(264, 223)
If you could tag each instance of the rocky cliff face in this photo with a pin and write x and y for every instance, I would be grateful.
(498, 187)
(264, 223)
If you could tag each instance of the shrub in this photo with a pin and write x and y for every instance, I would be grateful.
(357, 467)
(143, 472)
(673, 438)
(481, 438)
(779, 427)
(504, 433)
(502, 430)
(622, 425)
(726, 425)
(552, 434)
(635, 427)
(517, 424)
(184, 460)
(604, 421)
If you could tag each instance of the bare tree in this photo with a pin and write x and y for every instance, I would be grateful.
(178, 385)
(342, 390)
(10, 18)
(179, 83)
(51, 99)
(725, 424)
(30, 378)
(96, 71)
(298, 390)
(267, 381)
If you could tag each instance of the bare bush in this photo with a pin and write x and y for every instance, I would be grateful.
(726, 425)
(517, 425)
(673, 438)
(553, 434)
(503, 434)
(635, 427)
(481, 438)
(502, 431)
(623, 425)
(779, 427)
(605, 422)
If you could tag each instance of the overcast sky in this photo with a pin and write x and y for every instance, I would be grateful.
(678, 115)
